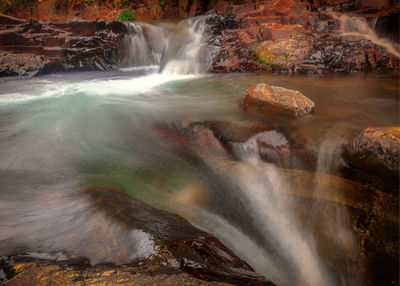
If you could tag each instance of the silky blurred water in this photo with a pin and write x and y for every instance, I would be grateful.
(64, 132)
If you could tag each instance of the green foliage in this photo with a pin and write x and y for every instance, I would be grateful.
(269, 58)
(162, 4)
(128, 16)
(264, 62)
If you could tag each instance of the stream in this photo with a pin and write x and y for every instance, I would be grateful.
(61, 133)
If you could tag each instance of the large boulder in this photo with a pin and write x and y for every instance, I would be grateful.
(375, 152)
(278, 100)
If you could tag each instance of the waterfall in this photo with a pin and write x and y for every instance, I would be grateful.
(140, 53)
(184, 47)
(359, 28)
(175, 49)
(261, 184)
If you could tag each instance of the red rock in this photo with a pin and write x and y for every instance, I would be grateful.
(58, 46)
(283, 6)
(278, 99)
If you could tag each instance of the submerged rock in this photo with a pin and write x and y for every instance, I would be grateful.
(278, 99)
(375, 152)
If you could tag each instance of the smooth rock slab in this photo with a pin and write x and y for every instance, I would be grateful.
(375, 151)
(60, 273)
(277, 99)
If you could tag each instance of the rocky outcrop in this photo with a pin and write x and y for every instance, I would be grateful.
(277, 99)
(375, 152)
(39, 47)
(293, 36)
(281, 36)
(22, 268)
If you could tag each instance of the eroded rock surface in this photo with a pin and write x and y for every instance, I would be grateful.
(41, 47)
(299, 36)
(278, 99)
(375, 152)
(21, 269)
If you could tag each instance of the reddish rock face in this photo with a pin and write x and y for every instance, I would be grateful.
(32, 46)
(292, 36)
(278, 100)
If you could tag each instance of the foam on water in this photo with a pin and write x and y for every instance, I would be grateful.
(99, 87)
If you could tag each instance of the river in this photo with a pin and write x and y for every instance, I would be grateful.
(61, 133)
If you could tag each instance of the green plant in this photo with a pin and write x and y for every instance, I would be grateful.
(162, 4)
(264, 62)
(128, 16)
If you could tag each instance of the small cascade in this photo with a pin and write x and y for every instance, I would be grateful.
(176, 49)
(140, 52)
(185, 51)
(260, 186)
(359, 28)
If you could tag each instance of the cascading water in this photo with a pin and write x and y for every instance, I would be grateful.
(177, 48)
(184, 48)
(359, 28)
(274, 240)
(140, 53)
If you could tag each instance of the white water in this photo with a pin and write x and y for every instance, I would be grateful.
(274, 216)
(140, 53)
(176, 49)
(102, 87)
(351, 26)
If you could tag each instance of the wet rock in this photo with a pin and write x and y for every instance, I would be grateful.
(32, 47)
(218, 23)
(278, 100)
(375, 152)
(292, 36)
(231, 54)
(150, 272)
